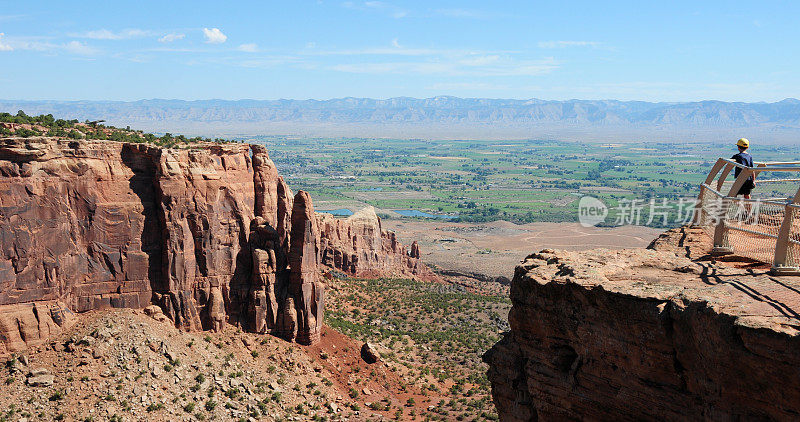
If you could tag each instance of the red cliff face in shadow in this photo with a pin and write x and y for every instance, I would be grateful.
(210, 233)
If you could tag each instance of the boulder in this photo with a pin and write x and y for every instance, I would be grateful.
(155, 312)
(369, 353)
(40, 377)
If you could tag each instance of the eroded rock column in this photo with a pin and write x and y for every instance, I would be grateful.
(265, 293)
(305, 288)
(265, 179)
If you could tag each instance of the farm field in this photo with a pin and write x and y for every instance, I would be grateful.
(516, 181)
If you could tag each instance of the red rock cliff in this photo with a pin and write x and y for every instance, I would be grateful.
(647, 335)
(210, 233)
(358, 245)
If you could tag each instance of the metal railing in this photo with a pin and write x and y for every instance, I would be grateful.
(763, 228)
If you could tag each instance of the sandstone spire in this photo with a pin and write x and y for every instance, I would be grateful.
(265, 180)
(305, 287)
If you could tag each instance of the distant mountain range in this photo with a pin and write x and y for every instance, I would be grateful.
(443, 118)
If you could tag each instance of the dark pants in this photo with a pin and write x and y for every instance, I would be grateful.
(746, 188)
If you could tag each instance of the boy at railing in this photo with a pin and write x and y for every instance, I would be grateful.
(744, 159)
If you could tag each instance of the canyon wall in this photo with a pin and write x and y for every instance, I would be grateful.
(210, 233)
(647, 335)
(359, 246)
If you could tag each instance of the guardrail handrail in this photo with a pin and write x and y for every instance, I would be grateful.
(777, 163)
(765, 166)
(785, 260)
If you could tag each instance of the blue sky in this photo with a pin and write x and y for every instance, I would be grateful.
(655, 51)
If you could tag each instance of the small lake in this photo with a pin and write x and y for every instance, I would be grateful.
(341, 212)
(415, 213)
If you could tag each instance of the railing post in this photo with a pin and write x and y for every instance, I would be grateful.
(697, 217)
(698, 207)
(721, 244)
(724, 176)
(780, 265)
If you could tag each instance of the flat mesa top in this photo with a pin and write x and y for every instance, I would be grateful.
(754, 297)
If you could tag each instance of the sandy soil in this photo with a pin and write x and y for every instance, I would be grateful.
(494, 249)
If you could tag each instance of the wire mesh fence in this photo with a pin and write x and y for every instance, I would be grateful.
(753, 228)
(793, 247)
(765, 227)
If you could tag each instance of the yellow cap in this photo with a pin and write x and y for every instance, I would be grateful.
(743, 142)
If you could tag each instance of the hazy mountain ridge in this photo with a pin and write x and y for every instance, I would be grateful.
(439, 116)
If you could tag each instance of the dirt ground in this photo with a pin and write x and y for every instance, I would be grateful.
(121, 365)
(494, 249)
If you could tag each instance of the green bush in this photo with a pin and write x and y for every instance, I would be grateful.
(58, 128)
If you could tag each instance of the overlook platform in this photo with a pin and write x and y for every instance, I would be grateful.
(764, 227)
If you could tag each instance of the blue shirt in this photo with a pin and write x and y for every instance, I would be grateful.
(744, 159)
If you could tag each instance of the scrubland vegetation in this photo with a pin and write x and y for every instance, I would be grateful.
(22, 125)
(437, 331)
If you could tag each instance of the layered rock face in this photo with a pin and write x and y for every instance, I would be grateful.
(304, 255)
(211, 234)
(358, 245)
(646, 335)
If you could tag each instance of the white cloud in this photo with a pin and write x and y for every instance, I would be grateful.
(105, 34)
(248, 48)
(32, 45)
(77, 47)
(381, 51)
(271, 61)
(43, 45)
(466, 66)
(171, 37)
(4, 46)
(438, 61)
(395, 50)
(214, 36)
(483, 60)
(564, 44)
(398, 67)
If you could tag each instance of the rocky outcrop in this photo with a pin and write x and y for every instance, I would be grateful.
(205, 232)
(359, 246)
(646, 335)
(688, 241)
(304, 284)
(105, 224)
(204, 205)
(21, 324)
